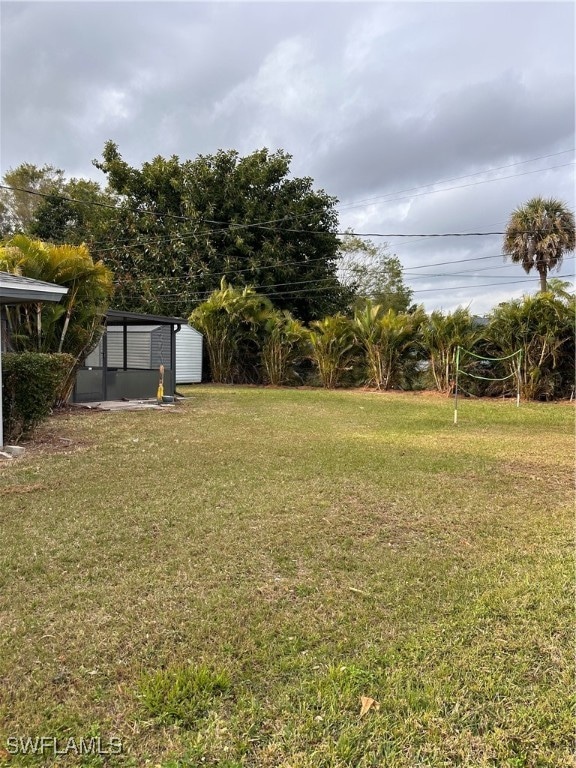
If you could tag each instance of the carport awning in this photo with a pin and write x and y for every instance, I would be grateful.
(117, 317)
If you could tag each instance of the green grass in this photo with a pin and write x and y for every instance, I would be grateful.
(219, 584)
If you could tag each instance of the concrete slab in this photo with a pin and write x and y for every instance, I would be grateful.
(123, 405)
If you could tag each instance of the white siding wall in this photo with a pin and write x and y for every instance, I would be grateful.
(188, 356)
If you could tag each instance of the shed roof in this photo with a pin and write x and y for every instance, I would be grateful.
(117, 317)
(15, 289)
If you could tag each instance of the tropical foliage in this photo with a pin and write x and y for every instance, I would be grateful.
(232, 321)
(333, 348)
(73, 325)
(285, 345)
(539, 234)
(542, 327)
(441, 335)
(388, 340)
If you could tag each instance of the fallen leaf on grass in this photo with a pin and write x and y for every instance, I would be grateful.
(367, 705)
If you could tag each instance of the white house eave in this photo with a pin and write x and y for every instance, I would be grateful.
(15, 289)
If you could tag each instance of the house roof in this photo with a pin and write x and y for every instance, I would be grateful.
(117, 317)
(15, 289)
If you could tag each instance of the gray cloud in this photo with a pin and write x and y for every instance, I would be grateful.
(369, 98)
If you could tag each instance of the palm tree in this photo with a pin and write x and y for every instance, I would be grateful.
(232, 321)
(538, 235)
(388, 340)
(441, 335)
(332, 348)
(285, 344)
(542, 327)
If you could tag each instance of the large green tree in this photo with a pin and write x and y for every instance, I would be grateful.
(539, 234)
(26, 184)
(183, 226)
(79, 212)
(372, 274)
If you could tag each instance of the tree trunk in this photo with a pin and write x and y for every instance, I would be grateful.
(543, 283)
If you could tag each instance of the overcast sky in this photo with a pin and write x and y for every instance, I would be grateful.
(385, 105)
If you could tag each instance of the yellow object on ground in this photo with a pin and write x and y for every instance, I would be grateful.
(160, 392)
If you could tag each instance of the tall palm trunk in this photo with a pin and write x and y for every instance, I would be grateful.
(543, 281)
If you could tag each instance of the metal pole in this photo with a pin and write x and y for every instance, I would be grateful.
(104, 341)
(1, 429)
(174, 329)
(456, 386)
(519, 367)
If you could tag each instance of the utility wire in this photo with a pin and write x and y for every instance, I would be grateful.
(199, 295)
(383, 198)
(472, 184)
(232, 271)
(265, 224)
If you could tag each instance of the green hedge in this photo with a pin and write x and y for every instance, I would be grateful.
(32, 382)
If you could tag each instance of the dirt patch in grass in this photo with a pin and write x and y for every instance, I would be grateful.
(22, 488)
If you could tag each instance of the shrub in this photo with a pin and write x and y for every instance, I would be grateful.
(441, 335)
(542, 326)
(32, 383)
(74, 324)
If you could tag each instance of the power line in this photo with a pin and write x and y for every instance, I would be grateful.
(231, 271)
(264, 224)
(472, 184)
(224, 272)
(455, 178)
(199, 295)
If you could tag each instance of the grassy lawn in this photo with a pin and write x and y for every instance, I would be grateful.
(219, 584)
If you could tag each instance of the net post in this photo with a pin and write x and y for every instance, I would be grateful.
(519, 367)
(456, 386)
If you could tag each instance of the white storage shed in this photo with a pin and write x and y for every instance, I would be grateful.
(188, 355)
